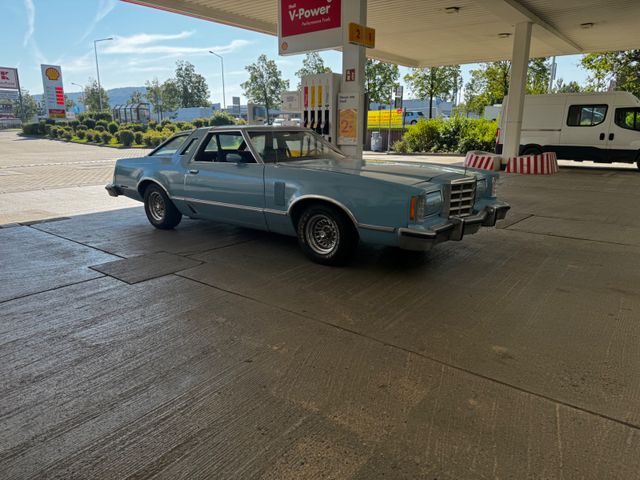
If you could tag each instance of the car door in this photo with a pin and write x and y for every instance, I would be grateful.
(224, 181)
(584, 134)
(624, 135)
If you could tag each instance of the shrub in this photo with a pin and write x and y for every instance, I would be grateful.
(241, 121)
(137, 137)
(221, 118)
(106, 137)
(33, 129)
(199, 122)
(102, 123)
(423, 136)
(401, 146)
(90, 123)
(100, 128)
(451, 132)
(112, 127)
(180, 125)
(104, 116)
(126, 137)
(91, 135)
(481, 135)
(138, 127)
(74, 124)
(152, 124)
(187, 126)
(81, 127)
(152, 138)
(170, 127)
(67, 135)
(81, 134)
(165, 122)
(54, 131)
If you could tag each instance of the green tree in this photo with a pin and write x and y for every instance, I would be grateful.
(265, 84)
(381, 78)
(92, 95)
(538, 76)
(571, 87)
(430, 82)
(312, 64)
(68, 103)
(163, 97)
(193, 88)
(620, 68)
(29, 106)
(136, 97)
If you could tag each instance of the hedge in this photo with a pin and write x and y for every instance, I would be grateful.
(456, 135)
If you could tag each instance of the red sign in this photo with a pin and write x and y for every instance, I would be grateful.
(350, 75)
(306, 16)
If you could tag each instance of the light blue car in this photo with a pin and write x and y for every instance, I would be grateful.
(292, 181)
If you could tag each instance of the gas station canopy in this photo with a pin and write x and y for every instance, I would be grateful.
(420, 33)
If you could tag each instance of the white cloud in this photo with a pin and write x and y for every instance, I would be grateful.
(31, 21)
(104, 8)
(145, 43)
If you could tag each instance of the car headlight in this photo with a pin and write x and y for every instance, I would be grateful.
(494, 186)
(433, 203)
(481, 187)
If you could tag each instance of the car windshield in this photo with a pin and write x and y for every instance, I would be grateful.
(283, 145)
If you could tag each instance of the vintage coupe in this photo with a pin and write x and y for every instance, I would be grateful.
(292, 181)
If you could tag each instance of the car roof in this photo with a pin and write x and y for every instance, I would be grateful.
(252, 127)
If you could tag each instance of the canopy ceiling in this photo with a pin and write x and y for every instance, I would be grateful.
(421, 32)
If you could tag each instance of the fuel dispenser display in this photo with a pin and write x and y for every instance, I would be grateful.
(320, 102)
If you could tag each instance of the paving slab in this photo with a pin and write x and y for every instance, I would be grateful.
(127, 232)
(214, 385)
(32, 261)
(145, 267)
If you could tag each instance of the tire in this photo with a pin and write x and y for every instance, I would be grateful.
(326, 235)
(532, 150)
(160, 210)
(414, 122)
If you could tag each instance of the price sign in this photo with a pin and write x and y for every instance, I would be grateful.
(362, 35)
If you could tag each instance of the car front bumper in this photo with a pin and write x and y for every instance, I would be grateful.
(454, 229)
(113, 190)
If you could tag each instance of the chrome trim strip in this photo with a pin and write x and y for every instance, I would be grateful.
(219, 204)
(232, 205)
(376, 228)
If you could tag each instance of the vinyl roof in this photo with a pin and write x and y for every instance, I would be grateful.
(421, 33)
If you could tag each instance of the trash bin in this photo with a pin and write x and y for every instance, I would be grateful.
(376, 142)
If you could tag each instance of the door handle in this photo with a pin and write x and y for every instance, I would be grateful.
(611, 136)
(194, 171)
(602, 136)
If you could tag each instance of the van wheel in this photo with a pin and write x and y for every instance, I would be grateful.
(532, 150)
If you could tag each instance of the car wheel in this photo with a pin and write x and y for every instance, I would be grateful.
(413, 122)
(160, 210)
(326, 235)
(532, 151)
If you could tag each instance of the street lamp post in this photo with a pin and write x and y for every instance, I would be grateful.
(224, 101)
(95, 50)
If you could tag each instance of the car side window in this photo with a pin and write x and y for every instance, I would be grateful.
(190, 147)
(227, 147)
(170, 147)
(628, 118)
(586, 115)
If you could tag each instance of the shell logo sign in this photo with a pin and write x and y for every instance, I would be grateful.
(52, 73)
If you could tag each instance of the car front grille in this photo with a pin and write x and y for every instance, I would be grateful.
(463, 193)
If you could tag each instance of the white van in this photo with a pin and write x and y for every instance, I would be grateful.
(601, 127)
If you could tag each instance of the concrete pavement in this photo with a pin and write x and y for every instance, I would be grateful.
(218, 352)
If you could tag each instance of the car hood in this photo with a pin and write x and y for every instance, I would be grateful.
(405, 173)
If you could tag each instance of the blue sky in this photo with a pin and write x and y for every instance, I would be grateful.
(147, 42)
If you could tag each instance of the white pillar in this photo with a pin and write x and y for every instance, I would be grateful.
(517, 89)
(354, 57)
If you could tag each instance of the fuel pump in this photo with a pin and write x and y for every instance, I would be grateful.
(319, 105)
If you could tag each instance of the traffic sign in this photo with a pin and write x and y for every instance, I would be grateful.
(362, 35)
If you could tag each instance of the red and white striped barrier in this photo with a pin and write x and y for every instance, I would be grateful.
(543, 164)
(482, 161)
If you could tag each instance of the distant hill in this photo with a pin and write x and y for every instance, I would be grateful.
(117, 96)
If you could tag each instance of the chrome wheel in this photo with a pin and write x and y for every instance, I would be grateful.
(323, 234)
(157, 208)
